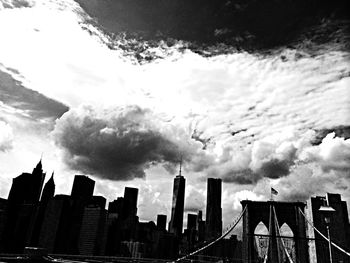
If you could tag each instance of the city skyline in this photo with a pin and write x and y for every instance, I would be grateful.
(123, 109)
(79, 224)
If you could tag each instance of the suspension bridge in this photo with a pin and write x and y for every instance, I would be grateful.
(275, 247)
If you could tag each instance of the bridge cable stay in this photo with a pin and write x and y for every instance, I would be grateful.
(270, 229)
(279, 234)
(235, 222)
(319, 232)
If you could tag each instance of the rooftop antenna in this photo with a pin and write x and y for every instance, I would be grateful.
(180, 164)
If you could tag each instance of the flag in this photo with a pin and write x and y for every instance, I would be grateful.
(274, 191)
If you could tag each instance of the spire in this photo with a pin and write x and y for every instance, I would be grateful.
(180, 165)
(49, 189)
(39, 165)
(38, 170)
(51, 180)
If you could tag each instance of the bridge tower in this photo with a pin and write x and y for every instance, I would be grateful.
(286, 212)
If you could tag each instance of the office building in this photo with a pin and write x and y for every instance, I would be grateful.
(92, 239)
(82, 191)
(23, 198)
(161, 222)
(26, 188)
(214, 213)
(116, 206)
(83, 188)
(339, 228)
(130, 202)
(56, 225)
(177, 209)
(37, 220)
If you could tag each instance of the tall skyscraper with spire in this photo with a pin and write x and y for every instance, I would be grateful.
(177, 210)
(23, 200)
(214, 212)
(38, 217)
(49, 190)
(26, 188)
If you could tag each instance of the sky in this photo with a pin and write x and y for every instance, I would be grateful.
(257, 121)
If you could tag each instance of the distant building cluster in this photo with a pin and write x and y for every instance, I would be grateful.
(33, 216)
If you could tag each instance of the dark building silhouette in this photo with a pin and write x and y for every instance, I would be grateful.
(82, 191)
(26, 188)
(92, 239)
(128, 219)
(339, 228)
(83, 188)
(99, 201)
(191, 232)
(167, 247)
(161, 222)
(229, 249)
(177, 209)
(191, 221)
(55, 229)
(49, 190)
(200, 227)
(113, 234)
(37, 220)
(116, 206)
(23, 199)
(130, 202)
(214, 211)
(3, 206)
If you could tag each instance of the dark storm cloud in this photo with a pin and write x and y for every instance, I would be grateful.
(118, 144)
(36, 105)
(272, 169)
(275, 168)
(340, 131)
(242, 177)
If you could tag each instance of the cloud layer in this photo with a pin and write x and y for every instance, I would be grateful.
(118, 143)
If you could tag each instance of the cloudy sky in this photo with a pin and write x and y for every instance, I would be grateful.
(255, 120)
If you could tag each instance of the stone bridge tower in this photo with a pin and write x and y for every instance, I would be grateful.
(286, 212)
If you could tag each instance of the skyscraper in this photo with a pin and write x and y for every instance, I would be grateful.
(339, 228)
(83, 188)
(91, 239)
(37, 220)
(22, 204)
(82, 191)
(56, 225)
(49, 190)
(130, 202)
(26, 188)
(177, 209)
(161, 222)
(214, 212)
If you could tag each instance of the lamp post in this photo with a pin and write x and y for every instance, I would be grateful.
(327, 211)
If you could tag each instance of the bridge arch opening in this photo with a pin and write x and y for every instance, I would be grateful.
(261, 233)
(288, 241)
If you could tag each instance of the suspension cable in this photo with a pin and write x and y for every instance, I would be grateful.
(279, 233)
(270, 228)
(319, 232)
(216, 240)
